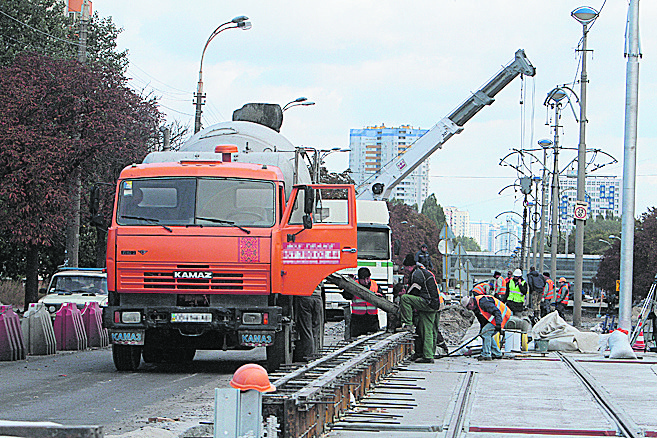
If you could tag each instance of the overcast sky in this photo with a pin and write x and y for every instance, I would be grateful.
(391, 62)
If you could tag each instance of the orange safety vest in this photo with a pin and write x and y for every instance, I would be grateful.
(549, 295)
(481, 289)
(361, 307)
(565, 299)
(506, 313)
(500, 286)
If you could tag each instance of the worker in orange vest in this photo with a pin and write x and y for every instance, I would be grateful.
(561, 300)
(499, 285)
(548, 294)
(492, 315)
(482, 288)
(364, 316)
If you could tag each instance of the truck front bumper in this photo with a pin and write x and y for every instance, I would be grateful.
(253, 326)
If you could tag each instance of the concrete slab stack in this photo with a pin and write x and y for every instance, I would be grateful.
(12, 346)
(38, 330)
(69, 328)
(92, 317)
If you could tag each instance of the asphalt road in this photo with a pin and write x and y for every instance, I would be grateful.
(83, 388)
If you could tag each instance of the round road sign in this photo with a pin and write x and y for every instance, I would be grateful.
(580, 212)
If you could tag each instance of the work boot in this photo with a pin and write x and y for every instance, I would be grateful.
(498, 357)
(407, 328)
(425, 360)
(484, 358)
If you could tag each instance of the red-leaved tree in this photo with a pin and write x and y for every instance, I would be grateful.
(55, 115)
(645, 258)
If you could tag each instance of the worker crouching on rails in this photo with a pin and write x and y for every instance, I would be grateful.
(364, 316)
(422, 296)
(492, 315)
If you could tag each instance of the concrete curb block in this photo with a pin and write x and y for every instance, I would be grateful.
(12, 346)
(69, 328)
(92, 318)
(48, 430)
(38, 330)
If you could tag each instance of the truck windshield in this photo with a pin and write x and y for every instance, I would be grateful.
(212, 202)
(373, 243)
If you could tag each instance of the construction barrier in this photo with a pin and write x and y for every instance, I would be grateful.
(38, 330)
(92, 317)
(69, 328)
(12, 346)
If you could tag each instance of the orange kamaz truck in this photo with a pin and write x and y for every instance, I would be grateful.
(207, 253)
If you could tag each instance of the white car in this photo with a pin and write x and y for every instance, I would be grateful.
(76, 285)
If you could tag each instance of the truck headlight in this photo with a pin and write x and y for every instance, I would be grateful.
(252, 318)
(130, 317)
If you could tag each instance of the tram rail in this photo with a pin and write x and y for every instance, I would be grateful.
(310, 397)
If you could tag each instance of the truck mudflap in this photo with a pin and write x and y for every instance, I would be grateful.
(127, 337)
(257, 338)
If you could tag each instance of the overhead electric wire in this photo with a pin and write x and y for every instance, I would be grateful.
(178, 90)
(39, 31)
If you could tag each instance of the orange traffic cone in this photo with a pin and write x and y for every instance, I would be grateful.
(639, 344)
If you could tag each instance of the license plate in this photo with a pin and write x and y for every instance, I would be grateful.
(127, 337)
(191, 317)
(256, 339)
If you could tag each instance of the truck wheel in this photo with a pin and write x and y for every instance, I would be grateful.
(126, 357)
(280, 352)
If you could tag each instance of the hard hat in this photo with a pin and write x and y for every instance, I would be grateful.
(517, 273)
(562, 279)
(465, 301)
(252, 376)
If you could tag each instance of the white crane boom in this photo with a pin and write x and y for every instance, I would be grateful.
(379, 186)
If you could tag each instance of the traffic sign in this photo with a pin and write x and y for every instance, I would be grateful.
(581, 210)
(446, 233)
(445, 247)
(459, 250)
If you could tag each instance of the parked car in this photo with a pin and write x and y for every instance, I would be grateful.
(76, 285)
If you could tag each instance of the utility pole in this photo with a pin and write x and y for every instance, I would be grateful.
(629, 166)
(545, 144)
(585, 16)
(526, 189)
(75, 184)
(554, 240)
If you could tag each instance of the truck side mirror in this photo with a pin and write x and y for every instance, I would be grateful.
(309, 200)
(307, 222)
(94, 200)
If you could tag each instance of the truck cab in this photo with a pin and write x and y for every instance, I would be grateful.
(206, 253)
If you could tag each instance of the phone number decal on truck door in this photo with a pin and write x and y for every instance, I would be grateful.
(311, 253)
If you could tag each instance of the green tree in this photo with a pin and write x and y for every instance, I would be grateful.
(41, 26)
(434, 211)
(596, 234)
(645, 258)
(468, 243)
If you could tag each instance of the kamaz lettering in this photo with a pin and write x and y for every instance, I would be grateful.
(126, 337)
(248, 339)
(192, 274)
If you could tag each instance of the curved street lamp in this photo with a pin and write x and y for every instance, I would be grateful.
(585, 15)
(236, 23)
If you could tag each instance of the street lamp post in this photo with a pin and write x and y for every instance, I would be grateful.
(237, 22)
(553, 99)
(584, 15)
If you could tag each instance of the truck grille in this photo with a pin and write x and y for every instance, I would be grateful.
(233, 279)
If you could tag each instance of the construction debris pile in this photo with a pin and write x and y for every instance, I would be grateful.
(454, 322)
